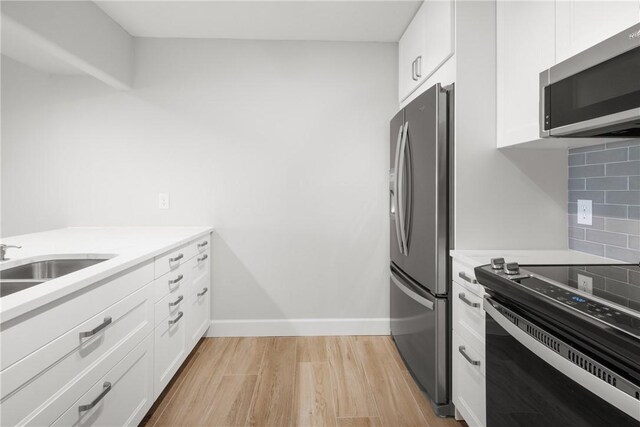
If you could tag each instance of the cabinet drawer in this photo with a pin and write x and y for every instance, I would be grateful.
(464, 275)
(122, 397)
(468, 311)
(171, 304)
(175, 258)
(175, 281)
(469, 385)
(170, 349)
(38, 388)
(198, 309)
(25, 334)
(474, 347)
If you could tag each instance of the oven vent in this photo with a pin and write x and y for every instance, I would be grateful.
(594, 369)
(510, 316)
(544, 338)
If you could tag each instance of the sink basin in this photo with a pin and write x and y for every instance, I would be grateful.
(8, 287)
(47, 269)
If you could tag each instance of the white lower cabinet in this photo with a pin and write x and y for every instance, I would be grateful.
(121, 398)
(468, 349)
(468, 382)
(170, 349)
(101, 358)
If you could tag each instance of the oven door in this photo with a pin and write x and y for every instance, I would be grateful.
(537, 379)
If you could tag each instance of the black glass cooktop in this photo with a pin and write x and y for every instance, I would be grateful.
(618, 284)
(616, 288)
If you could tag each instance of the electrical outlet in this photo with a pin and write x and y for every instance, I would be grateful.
(163, 201)
(585, 211)
(585, 283)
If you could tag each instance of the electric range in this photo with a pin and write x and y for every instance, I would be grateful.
(581, 321)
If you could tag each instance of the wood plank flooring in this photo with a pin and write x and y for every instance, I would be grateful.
(302, 381)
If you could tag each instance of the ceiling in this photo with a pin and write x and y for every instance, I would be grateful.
(329, 20)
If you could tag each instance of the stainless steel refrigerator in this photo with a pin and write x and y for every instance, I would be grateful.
(420, 186)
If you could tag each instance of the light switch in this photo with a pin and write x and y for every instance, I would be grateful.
(585, 211)
(585, 283)
(163, 201)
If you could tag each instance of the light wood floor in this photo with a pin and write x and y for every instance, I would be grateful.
(302, 381)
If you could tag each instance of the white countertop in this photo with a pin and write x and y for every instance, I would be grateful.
(475, 258)
(127, 247)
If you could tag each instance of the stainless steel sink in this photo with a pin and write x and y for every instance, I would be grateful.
(22, 277)
(8, 287)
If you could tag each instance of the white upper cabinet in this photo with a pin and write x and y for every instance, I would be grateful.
(581, 24)
(526, 46)
(534, 35)
(427, 43)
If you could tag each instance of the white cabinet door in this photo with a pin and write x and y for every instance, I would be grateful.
(427, 43)
(525, 47)
(121, 398)
(170, 350)
(198, 312)
(410, 48)
(581, 24)
(439, 36)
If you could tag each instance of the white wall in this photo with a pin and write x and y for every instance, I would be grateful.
(77, 34)
(281, 146)
(509, 198)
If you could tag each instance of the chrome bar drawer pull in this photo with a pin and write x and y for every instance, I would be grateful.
(203, 257)
(97, 329)
(106, 388)
(176, 258)
(464, 354)
(466, 278)
(203, 244)
(178, 317)
(465, 300)
(204, 291)
(176, 280)
(176, 302)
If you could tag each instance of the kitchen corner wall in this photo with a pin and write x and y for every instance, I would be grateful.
(281, 146)
(609, 176)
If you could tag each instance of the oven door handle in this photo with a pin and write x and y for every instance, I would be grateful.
(556, 353)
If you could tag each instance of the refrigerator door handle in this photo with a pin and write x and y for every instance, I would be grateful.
(394, 192)
(411, 294)
(400, 186)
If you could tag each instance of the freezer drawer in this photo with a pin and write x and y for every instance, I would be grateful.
(419, 329)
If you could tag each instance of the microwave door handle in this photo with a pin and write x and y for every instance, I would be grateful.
(401, 189)
(395, 190)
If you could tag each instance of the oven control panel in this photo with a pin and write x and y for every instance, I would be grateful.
(608, 314)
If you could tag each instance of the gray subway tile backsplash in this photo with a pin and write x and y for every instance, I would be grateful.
(607, 156)
(607, 238)
(631, 197)
(595, 196)
(586, 171)
(588, 247)
(610, 178)
(607, 183)
(623, 168)
(577, 184)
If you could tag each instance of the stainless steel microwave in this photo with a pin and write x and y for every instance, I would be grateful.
(596, 92)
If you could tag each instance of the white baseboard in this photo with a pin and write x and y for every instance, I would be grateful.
(298, 327)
